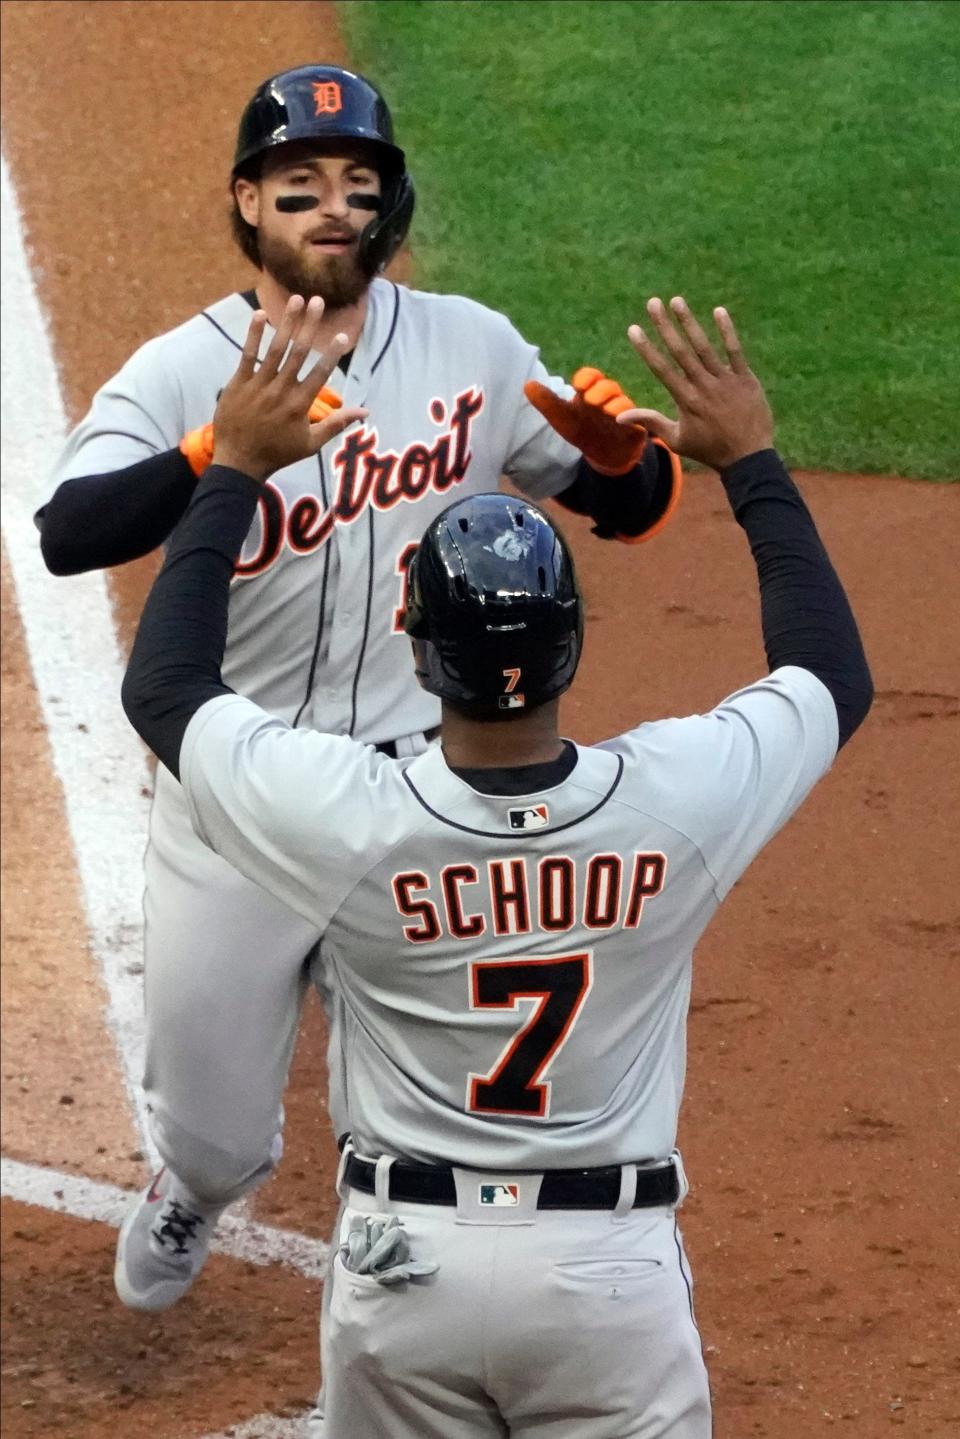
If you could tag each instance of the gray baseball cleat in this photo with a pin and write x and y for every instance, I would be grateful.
(161, 1249)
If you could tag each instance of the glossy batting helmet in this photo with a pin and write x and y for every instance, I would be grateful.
(324, 102)
(494, 598)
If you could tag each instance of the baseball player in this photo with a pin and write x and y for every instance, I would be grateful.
(514, 995)
(322, 199)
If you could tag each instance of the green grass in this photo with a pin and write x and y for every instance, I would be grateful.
(797, 162)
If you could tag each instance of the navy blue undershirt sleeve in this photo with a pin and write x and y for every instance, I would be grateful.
(175, 663)
(622, 504)
(805, 614)
(96, 521)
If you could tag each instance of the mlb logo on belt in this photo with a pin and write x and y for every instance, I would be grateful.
(531, 816)
(499, 1194)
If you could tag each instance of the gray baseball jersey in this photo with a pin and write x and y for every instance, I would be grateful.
(315, 634)
(515, 971)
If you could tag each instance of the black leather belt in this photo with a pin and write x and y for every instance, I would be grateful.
(559, 1189)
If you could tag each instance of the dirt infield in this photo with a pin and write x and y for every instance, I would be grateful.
(822, 1115)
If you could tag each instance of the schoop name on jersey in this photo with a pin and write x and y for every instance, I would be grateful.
(523, 895)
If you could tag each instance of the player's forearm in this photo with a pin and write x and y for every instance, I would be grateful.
(806, 617)
(620, 504)
(175, 663)
(103, 520)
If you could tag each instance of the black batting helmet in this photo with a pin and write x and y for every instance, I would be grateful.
(494, 597)
(325, 102)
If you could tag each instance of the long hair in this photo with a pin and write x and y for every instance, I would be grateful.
(245, 235)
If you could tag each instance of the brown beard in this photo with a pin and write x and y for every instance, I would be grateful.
(339, 280)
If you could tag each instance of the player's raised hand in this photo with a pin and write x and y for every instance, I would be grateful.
(267, 416)
(588, 420)
(723, 412)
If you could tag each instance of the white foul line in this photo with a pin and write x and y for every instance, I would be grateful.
(77, 668)
(107, 1204)
(235, 1236)
(268, 1426)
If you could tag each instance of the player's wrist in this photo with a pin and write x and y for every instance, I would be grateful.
(246, 464)
(724, 456)
(739, 453)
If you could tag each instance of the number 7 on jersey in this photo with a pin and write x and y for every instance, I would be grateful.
(558, 985)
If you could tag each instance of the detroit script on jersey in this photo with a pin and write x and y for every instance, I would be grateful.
(363, 473)
(315, 633)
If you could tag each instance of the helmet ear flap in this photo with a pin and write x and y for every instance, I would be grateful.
(385, 233)
(415, 624)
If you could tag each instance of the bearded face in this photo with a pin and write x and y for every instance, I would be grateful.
(309, 242)
(309, 267)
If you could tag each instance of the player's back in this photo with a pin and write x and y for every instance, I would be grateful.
(515, 969)
(519, 994)
(522, 976)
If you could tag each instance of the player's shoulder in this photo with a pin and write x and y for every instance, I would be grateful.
(779, 703)
(790, 703)
(458, 310)
(233, 753)
(229, 725)
(784, 722)
(218, 327)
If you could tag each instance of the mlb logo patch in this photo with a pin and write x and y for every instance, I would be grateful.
(531, 816)
(511, 702)
(499, 1194)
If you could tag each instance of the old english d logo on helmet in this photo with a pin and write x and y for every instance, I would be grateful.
(325, 102)
(327, 97)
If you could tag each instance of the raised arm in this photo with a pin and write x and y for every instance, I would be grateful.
(724, 421)
(627, 482)
(266, 418)
(95, 521)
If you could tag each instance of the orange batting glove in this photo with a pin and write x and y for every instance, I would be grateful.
(326, 402)
(588, 421)
(198, 445)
